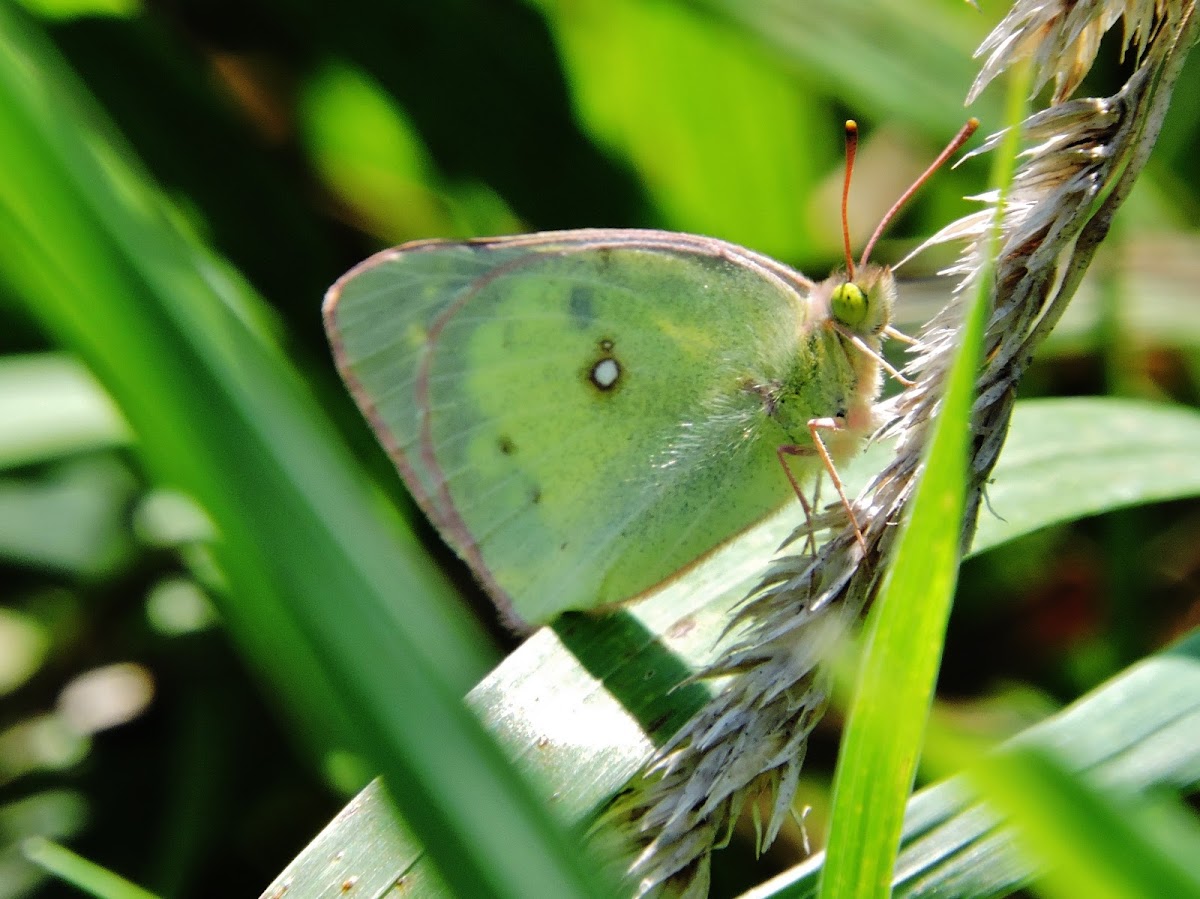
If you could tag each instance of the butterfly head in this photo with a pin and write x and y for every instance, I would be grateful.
(863, 304)
(860, 301)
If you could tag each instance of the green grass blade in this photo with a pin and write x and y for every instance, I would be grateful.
(907, 627)
(887, 717)
(79, 872)
(359, 637)
(580, 706)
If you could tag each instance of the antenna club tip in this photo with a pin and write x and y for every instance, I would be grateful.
(851, 126)
(972, 123)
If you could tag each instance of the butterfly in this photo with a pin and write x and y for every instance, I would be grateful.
(585, 414)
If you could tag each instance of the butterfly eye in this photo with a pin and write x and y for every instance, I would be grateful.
(848, 303)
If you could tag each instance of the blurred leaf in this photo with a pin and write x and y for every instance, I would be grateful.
(722, 136)
(70, 9)
(876, 57)
(52, 407)
(177, 606)
(73, 520)
(39, 744)
(1086, 842)
(23, 645)
(371, 155)
(54, 814)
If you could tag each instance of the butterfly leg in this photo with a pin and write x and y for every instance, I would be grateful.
(819, 449)
(810, 542)
(815, 426)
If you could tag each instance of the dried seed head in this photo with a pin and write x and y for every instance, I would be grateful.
(1062, 36)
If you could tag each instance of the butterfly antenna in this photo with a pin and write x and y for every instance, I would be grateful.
(961, 138)
(851, 151)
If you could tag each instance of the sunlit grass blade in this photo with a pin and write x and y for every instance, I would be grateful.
(580, 706)
(1100, 453)
(887, 717)
(359, 637)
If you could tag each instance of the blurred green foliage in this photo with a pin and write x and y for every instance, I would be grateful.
(292, 139)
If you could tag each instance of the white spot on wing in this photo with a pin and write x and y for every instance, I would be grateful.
(605, 373)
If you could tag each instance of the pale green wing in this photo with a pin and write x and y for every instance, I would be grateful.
(577, 412)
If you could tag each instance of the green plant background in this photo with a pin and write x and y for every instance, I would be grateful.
(257, 149)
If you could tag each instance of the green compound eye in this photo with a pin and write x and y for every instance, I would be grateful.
(848, 303)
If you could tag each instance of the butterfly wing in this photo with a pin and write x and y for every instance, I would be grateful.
(581, 414)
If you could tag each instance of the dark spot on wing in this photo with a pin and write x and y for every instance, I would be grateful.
(580, 305)
(506, 446)
(535, 496)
